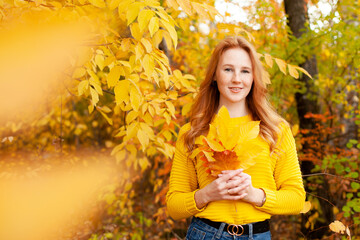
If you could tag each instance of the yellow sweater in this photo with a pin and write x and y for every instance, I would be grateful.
(279, 176)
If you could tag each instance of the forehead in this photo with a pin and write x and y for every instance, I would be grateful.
(235, 56)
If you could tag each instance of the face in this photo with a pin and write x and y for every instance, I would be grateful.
(234, 77)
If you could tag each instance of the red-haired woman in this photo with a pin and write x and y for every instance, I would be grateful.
(273, 185)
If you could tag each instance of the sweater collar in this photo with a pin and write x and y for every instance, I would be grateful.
(240, 120)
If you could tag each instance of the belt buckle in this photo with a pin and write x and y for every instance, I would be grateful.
(233, 229)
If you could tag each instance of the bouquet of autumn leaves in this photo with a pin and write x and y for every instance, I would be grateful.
(223, 149)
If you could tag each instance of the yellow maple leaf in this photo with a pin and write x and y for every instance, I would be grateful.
(224, 150)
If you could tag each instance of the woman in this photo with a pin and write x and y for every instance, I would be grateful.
(272, 186)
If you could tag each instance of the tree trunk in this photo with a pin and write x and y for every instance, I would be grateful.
(296, 11)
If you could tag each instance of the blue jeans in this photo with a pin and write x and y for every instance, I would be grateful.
(199, 230)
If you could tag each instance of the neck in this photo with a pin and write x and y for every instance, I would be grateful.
(235, 110)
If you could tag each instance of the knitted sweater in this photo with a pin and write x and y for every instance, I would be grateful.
(278, 175)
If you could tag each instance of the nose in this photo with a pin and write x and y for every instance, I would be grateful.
(236, 78)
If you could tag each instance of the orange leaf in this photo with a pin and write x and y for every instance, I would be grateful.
(209, 156)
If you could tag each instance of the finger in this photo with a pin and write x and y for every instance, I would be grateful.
(236, 177)
(233, 183)
(239, 189)
(230, 174)
(227, 171)
(235, 197)
(244, 177)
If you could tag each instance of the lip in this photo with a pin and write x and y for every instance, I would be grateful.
(235, 89)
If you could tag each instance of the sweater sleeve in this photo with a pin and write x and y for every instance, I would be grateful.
(289, 198)
(183, 183)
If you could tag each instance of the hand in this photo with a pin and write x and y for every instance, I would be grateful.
(241, 185)
(219, 189)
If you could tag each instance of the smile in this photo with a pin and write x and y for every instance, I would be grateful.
(235, 89)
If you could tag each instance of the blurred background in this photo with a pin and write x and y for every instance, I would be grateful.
(93, 93)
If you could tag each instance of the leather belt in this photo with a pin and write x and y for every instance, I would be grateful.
(238, 230)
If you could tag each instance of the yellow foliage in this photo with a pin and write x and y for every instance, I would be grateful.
(114, 75)
(171, 29)
(153, 26)
(186, 6)
(132, 11)
(268, 60)
(281, 64)
(144, 18)
(293, 71)
(83, 87)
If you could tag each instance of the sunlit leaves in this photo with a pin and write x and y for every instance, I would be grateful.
(281, 64)
(94, 96)
(185, 5)
(114, 76)
(104, 110)
(126, 81)
(170, 28)
(83, 87)
(132, 11)
(135, 31)
(135, 98)
(153, 26)
(122, 91)
(79, 72)
(268, 60)
(293, 71)
(144, 18)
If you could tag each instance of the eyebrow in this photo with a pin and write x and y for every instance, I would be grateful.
(230, 65)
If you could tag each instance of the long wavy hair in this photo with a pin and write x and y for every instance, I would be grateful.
(207, 101)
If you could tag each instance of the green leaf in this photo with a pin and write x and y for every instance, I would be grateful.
(349, 195)
(355, 185)
(357, 208)
(354, 175)
(346, 209)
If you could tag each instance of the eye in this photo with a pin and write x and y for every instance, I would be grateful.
(227, 69)
(245, 71)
